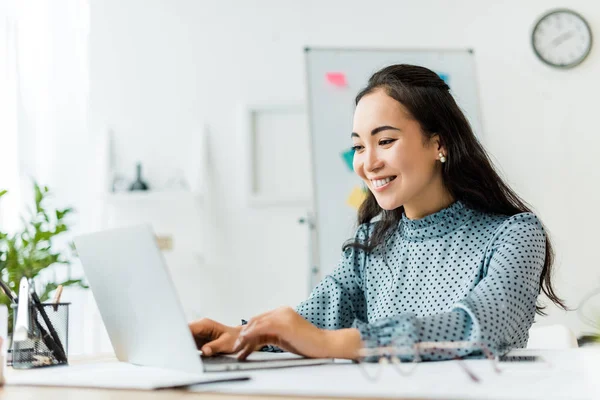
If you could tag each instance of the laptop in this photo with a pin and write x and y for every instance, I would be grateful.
(141, 310)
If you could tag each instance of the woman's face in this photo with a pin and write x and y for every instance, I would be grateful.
(392, 156)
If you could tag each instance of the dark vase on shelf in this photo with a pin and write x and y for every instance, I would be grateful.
(139, 184)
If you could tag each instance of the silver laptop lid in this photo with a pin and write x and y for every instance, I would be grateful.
(137, 299)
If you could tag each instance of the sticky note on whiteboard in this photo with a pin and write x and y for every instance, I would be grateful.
(348, 157)
(445, 78)
(336, 79)
(356, 198)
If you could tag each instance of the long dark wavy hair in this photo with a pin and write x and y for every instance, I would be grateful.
(468, 173)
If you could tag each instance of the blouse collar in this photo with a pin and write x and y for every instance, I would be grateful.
(437, 224)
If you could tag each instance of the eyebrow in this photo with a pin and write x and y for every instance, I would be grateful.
(377, 130)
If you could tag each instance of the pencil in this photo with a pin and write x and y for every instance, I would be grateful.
(57, 295)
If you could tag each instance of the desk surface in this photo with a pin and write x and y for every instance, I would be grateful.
(37, 393)
(562, 375)
(66, 393)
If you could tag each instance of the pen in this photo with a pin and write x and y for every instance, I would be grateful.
(12, 296)
(59, 290)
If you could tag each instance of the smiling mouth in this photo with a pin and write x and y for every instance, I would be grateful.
(382, 182)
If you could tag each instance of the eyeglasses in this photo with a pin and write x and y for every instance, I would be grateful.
(589, 312)
(405, 359)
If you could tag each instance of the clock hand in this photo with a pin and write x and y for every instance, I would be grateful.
(560, 39)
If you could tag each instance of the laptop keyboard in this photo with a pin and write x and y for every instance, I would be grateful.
(223, 359)
(215, 360)
(266, 360)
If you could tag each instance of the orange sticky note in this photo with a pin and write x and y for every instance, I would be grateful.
(356, 198)
(336, 78)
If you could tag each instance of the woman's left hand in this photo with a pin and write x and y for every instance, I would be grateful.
(285, 328)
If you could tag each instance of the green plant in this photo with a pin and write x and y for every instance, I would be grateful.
(31, 250)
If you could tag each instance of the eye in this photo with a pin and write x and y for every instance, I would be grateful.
(387, 141)
(357, 147)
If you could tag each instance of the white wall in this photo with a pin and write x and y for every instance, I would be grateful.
(161, 69)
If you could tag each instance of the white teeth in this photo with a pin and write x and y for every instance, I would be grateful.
(381, 182)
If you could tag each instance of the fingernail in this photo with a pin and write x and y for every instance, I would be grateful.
(206, 351)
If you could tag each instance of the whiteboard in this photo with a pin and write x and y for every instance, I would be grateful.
(330, 109)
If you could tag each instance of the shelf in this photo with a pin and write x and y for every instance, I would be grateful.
(152, 196)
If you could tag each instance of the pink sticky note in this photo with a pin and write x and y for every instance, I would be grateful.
(336, 78)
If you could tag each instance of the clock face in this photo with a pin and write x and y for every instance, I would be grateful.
(562, 38)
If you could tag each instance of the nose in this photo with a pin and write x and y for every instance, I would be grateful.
(372, 161)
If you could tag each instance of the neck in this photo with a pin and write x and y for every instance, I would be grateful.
(428, 202)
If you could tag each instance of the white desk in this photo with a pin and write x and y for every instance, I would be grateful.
(37, 393)
(571, 374)
(567, 374)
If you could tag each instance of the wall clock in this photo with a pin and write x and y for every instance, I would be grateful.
(562, 38)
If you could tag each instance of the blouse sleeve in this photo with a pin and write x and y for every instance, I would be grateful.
(498, 312)
(338, 299)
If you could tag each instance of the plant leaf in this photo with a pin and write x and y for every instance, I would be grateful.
(60, 214)
(29, 251)
(38, 196)
(60, 228)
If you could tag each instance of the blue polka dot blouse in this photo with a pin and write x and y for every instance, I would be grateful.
(455, 275)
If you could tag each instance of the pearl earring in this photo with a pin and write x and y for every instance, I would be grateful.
(442, 158)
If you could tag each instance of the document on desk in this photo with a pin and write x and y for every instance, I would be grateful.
(112, 375)
(566, 374)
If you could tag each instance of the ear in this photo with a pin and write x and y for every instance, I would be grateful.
(437, 145)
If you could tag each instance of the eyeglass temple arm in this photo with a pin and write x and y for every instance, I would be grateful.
(489, 355)
(462, 364)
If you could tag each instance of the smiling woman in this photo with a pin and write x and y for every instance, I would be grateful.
(444, 251)
(389, 143)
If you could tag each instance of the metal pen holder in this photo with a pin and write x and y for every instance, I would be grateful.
(48, 337)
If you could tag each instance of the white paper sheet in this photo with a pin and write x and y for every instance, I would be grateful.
(111, 375)
(570, 374)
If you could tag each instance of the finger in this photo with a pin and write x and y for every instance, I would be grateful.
(246, 351)
(200, 342)
(254, 337)
(203, 327)
(239, 344)
(219, 345)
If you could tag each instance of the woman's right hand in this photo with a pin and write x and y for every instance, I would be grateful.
(214, 338)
